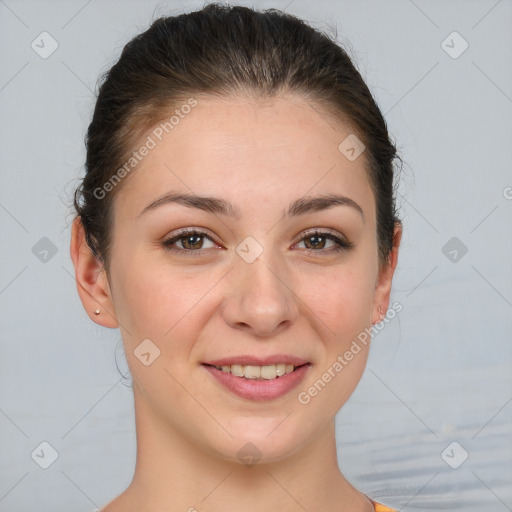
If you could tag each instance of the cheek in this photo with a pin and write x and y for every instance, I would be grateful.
(348, 308)
(149, 302)
(155, 307)
(166, 307)
(342, 298)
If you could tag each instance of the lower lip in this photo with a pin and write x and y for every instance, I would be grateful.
(254, 389)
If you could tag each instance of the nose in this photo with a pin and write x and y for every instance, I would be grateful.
(261, 300)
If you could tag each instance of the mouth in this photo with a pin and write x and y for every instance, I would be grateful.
(257, 372)
(258, 379)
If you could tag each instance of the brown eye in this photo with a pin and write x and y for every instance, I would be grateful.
(190, 241)
(317, 241)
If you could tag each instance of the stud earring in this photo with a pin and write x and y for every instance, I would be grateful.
(97, 312)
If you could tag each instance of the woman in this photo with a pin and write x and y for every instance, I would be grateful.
(237, 223)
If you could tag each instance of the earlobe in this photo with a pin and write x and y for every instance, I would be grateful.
(384, 281)
(91, 279)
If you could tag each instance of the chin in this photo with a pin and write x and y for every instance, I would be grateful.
(262, 440)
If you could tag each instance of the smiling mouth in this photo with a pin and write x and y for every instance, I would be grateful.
(252, 372)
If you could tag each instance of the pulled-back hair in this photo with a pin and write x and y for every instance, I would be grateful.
(226, 51)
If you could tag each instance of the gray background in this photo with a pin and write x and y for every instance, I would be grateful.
(439, 373)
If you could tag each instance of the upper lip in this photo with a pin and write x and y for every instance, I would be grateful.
(249, 360)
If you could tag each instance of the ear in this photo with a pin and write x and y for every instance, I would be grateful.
(91, 279)
(383, 285)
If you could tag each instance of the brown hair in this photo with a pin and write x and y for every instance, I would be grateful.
(226, 50)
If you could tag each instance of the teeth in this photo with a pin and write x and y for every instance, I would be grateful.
(267, 372)
(236, 369)
(252, 372)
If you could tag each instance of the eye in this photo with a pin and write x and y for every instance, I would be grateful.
(316, 241)
(190, 240)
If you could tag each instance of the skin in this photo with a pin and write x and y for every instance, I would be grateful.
(260, 156)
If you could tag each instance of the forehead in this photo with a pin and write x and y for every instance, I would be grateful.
(264, 151)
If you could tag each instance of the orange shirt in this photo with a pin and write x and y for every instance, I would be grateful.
(382, 508)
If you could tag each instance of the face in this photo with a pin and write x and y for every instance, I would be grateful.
(264, 274)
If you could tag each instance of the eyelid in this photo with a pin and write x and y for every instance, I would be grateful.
(180, 233)
(324, 231)
(190, 231)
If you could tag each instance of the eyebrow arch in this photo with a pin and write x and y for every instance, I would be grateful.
(210, 204)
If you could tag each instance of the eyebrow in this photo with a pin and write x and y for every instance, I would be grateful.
(215, 205)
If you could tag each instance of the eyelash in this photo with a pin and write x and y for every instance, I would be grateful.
(342, 245)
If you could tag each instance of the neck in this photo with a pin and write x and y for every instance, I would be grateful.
(173, 473)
